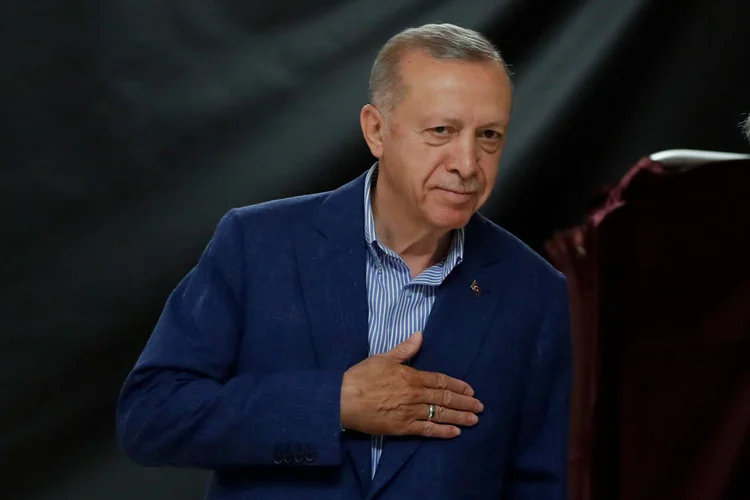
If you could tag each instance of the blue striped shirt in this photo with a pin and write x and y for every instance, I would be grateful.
(398, 304)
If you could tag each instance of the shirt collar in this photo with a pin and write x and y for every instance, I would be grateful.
(455, 255)
(370, 180)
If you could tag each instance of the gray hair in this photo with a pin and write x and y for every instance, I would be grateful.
(440, 41)
(746, 127)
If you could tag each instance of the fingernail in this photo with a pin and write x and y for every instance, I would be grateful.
(481, 408)
(474, 419)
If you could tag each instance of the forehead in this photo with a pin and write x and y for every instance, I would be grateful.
(460, 88)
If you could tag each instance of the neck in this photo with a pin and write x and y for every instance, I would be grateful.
(419, 245)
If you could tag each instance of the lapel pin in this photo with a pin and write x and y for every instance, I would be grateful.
(475, 288)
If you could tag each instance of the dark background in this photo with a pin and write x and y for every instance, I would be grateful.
(129, 127)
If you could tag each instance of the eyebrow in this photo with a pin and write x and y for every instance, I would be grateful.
(494, 124)
(455, 122)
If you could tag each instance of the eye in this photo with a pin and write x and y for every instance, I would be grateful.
(441, 130)
(491, 135)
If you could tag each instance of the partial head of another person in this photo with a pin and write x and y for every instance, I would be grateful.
(746, 127)
(440, 105)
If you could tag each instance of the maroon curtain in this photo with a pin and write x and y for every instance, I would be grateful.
(659, 282)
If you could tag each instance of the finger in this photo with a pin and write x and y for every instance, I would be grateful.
(442, 381)
(448, 399)
(406, 349)
(448, 416)
(433, 430)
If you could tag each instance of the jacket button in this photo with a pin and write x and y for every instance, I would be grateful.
(310, 456)
(288, 457)
(278, 458)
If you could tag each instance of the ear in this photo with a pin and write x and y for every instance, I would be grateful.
(373, 128)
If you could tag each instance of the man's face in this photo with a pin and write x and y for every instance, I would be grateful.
(441, 144)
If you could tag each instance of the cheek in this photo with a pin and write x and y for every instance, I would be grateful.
(489, 168)
(412, 169)
(434, 161)
(425, 164)
(489, 172)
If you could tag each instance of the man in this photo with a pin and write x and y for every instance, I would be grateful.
(382, 340)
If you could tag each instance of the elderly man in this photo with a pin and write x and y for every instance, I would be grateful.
(382, 340)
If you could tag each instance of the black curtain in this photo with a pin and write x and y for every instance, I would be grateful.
(130, 127)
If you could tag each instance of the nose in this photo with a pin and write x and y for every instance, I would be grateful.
(466, 158)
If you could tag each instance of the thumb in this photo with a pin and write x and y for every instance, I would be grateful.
(406, 349)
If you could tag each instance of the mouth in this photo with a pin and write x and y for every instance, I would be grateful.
(457, 191)
(457, 196)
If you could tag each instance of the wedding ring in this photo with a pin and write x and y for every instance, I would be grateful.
(432, 413)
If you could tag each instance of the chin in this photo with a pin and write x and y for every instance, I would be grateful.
(450, 218)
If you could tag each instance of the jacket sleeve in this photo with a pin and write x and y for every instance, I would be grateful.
(182, 405)
(540, 464)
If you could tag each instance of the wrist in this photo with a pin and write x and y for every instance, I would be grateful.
(345, 399)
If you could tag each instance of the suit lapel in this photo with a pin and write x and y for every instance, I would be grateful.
(455, 331)
(331, 261)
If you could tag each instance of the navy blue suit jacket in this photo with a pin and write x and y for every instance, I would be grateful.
(242, 374)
